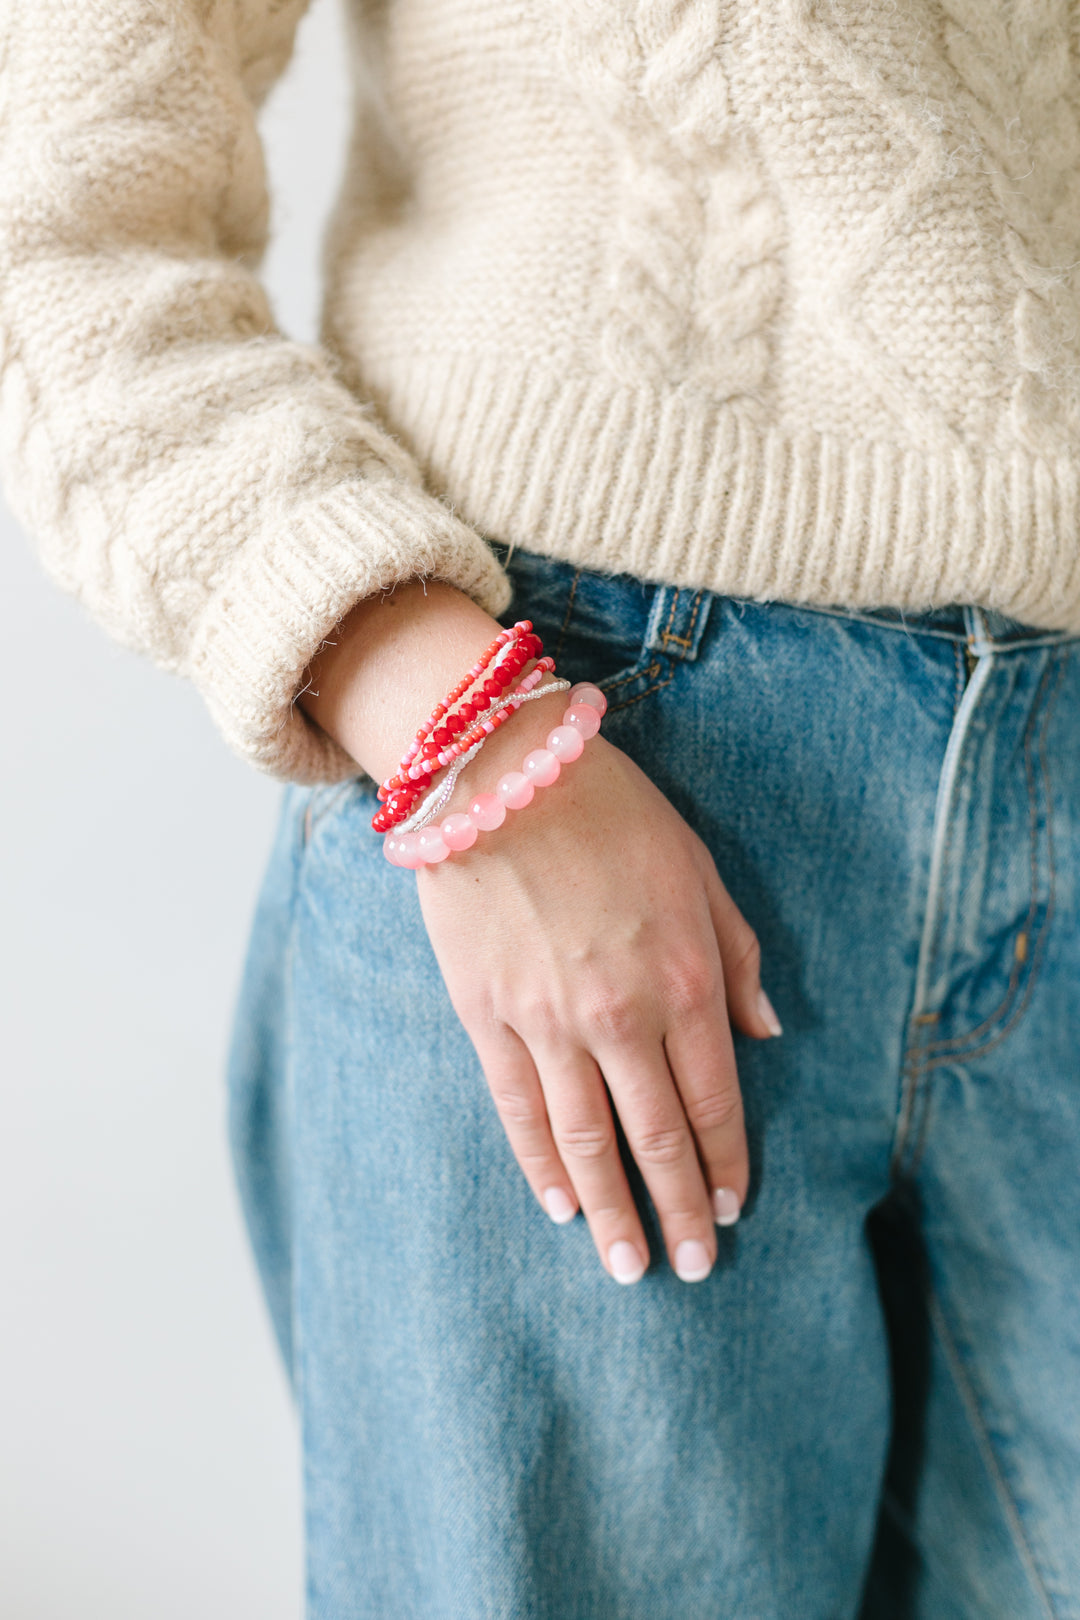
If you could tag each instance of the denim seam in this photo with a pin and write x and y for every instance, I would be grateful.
(635, 674)
(961, 678)
(973, 1408)
(666, 635)
(911, 1090)
(564, 627)
(935, 1053)
(649, 690)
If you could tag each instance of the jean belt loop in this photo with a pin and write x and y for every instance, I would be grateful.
(677, 621)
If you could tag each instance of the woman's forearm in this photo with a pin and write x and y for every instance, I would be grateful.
(389, 663)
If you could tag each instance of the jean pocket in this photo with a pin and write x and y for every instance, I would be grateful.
(593, 625)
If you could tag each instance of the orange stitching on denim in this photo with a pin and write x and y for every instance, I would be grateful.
(634, 675)
(666, 635)
(686, 641)
(658, 687)
(937, 1053)
(566, 617)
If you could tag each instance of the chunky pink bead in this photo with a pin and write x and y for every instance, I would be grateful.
(566, 743)
(541, 767)
(586, 692)
(432, 845)
(583, 719)
(487, 812)
(458, 831)
(408, 851)
(515, 790)
(390, 849)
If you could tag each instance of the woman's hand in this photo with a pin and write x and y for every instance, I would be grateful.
(589, 940)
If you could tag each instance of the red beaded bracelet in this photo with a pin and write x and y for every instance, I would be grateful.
(436, 745)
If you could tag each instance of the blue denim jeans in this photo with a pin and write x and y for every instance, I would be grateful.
(872, 1405)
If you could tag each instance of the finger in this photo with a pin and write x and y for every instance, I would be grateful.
(519, 1100)
(584, 1132)
(659, 1136)
(750, 1008)
(702, 1059)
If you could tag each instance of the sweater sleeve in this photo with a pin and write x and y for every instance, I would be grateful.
(210, 489)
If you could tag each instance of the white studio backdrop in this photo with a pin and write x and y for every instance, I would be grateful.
(148, 1461)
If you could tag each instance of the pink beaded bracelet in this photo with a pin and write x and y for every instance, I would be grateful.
(541, 767)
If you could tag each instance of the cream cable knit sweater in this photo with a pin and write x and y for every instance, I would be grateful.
(780, 299)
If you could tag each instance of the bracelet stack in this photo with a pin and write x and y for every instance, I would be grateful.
(454, 733)
(449, 732)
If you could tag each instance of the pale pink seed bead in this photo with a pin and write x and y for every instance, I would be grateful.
(515, 790)
(541, 767)
(583, 719)
(487, 812)
(432, 845)
(408, 851)
(566, 743)
(458, 831)
(586, 692)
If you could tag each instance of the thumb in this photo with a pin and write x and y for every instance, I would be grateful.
(750, 1008)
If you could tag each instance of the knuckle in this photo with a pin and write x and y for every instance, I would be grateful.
(718, 1111)
(537, 1017)
(690, 985)
(660, 1144)
(514, 1105)
(612, 1016)
(586, 1142)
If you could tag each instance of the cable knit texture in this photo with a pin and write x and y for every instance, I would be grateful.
(778, 300)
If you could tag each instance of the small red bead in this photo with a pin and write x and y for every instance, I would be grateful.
(481, 702)
(467, 712)
(491, 689)
(442, 736)
(454, 724)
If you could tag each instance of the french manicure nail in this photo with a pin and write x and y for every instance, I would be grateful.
(692, 1263)
(625, 1262)
(725, 1207)
(559, 1207)
(767, 1014)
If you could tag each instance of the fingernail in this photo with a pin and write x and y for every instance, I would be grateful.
(692, 1263)
(725, 1207)
(625, 1262)
(768, 1016)
(559, 1207)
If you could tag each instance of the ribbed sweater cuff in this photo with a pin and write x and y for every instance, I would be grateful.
(292, 583)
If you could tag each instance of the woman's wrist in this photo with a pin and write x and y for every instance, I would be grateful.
(389, 661)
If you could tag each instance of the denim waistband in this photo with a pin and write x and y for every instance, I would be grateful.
(980, 628)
